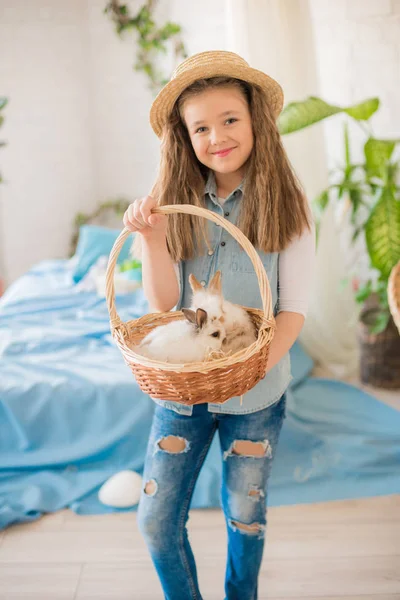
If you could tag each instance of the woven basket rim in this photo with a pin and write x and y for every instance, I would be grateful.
(121, 336)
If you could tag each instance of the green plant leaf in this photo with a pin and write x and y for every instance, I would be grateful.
(346, 147)
(322, 200)
(364, 110)
(364, 292)
(129, 264)
(357, 231)
(81, 219)
(382, 232)
(318, 206)
(3, 102)
(169, 30)
(377, 155)
(356, 200)
(381, 322)
(298, 115)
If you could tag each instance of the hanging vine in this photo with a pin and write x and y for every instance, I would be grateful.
(152, 39)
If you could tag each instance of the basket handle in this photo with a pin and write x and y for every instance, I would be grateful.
(262, 278)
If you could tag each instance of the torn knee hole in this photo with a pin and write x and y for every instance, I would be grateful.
(244, 447)
(150, 488)
(253, 528)
(256, 493)
(251, 449)
(173, 444)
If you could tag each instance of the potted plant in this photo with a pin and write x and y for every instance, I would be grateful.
(370, 191)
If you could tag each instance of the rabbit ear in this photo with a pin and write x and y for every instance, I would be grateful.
(194, 284)
(198, 318)
(201, 317)
(215, 284)
(190, 315)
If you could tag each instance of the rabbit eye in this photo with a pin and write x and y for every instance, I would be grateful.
(215, 334)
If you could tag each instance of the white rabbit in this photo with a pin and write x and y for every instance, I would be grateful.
(183, 341)
(240, 330)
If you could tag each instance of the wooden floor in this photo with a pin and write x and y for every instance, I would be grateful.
(338, 550)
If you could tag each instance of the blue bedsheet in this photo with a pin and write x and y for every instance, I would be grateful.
(72, 414)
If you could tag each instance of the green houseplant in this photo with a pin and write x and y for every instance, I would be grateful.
(371, 192)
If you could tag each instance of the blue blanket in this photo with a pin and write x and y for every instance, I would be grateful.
(72, 414)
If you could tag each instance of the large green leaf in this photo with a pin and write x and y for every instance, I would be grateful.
(298, 115)
(3, 102)
(377, 155)
(382, 232)
(364, 110)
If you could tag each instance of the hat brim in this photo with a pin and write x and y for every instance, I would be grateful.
(165, 100)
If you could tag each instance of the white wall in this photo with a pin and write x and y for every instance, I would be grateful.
(47, 164)
(358, 57)
(77, 121)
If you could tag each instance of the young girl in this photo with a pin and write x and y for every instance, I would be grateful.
(220, 149)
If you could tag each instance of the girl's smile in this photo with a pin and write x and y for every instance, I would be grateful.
(223, 153)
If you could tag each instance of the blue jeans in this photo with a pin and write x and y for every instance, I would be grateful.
(248, 445)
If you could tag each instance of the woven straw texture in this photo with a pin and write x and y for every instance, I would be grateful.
(215, 380)
(203, 66)
(394, 294)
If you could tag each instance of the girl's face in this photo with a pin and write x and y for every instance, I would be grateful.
(219, 125)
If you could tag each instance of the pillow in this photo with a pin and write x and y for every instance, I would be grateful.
(93, 242)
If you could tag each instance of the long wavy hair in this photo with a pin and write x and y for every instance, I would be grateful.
(273, 208)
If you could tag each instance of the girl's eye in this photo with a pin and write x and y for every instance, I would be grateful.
(228, 121)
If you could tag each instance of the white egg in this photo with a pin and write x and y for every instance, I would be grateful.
(121, 490)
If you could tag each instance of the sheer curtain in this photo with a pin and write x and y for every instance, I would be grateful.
(276, 36)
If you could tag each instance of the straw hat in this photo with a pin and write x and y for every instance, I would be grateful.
(203, 66)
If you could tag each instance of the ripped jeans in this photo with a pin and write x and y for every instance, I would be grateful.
(177, 448)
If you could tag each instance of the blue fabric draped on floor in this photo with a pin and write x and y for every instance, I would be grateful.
(72, 415)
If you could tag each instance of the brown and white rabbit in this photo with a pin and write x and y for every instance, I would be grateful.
(240, 330)
(183, 341)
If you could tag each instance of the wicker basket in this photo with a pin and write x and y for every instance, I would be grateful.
(199, 382)
(394, 294)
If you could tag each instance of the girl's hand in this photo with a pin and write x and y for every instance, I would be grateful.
(138, 218)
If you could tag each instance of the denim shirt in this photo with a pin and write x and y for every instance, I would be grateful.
(239, 285)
